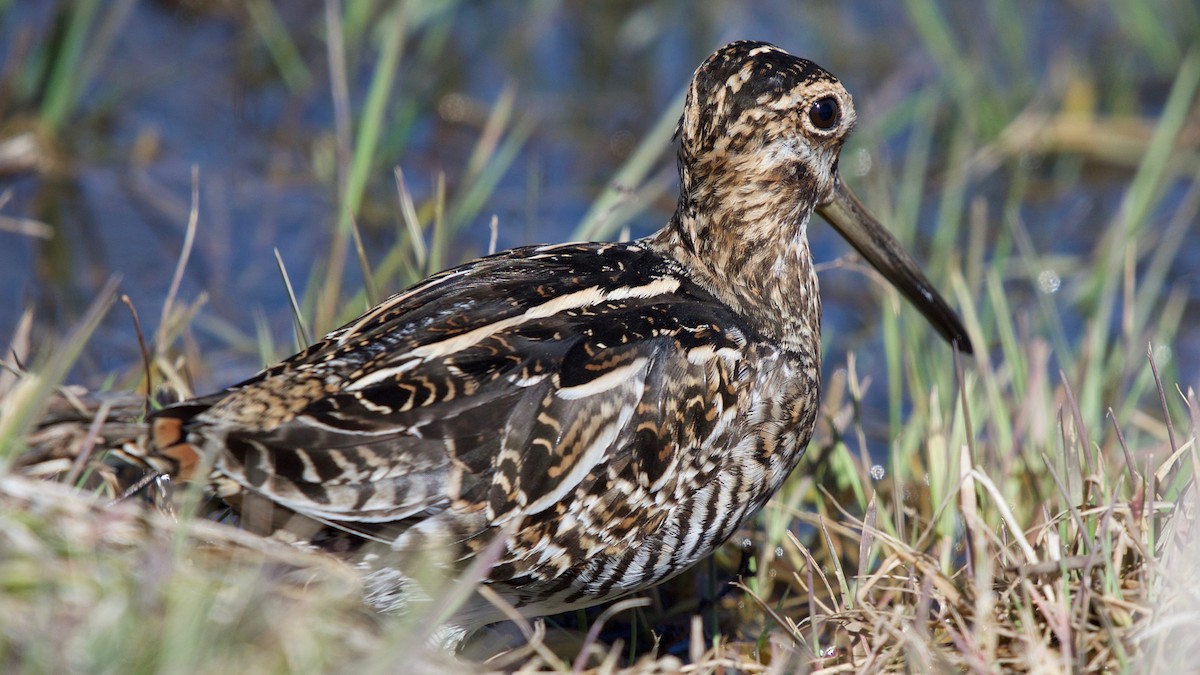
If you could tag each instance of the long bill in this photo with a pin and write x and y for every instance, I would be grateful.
(885, 254)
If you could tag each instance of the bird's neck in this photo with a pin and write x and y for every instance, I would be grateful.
(755, 259)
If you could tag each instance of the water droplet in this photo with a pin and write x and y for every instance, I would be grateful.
(878, 472)
(454, 107)
(1048, 281)
(778, 551)
(622, 143)
(862, 163)
(1162, 354)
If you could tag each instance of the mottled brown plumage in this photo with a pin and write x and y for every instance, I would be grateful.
(620, 409)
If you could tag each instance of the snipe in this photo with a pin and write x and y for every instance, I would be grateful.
(620, 408)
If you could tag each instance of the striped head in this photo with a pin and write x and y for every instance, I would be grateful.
(760, 124)
(759, 142)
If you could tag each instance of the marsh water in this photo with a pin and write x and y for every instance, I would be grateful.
(177, 86)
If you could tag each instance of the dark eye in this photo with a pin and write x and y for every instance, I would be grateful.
(824, 113)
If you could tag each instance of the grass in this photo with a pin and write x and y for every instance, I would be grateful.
(1036, 505)
(50, 76)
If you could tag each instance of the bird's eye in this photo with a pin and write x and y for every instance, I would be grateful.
(824, 113)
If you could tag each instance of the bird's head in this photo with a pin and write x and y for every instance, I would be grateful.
(759, 142)
(757, 117)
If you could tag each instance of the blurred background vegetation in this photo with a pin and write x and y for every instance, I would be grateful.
(1042, 158)
(528, 112)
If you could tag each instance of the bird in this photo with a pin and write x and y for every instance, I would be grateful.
(581, 420)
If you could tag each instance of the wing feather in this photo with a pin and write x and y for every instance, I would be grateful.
(503, 386)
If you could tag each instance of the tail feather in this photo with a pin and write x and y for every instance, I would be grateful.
(121, 451)
(171, 452)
